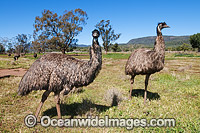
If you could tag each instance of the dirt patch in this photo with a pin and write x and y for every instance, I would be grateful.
(12, 72)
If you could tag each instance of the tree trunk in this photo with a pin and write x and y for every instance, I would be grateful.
(63, 51)
(106, 49)
(198, 49)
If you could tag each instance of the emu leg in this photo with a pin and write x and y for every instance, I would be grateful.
(146, 84)
(132, 81)
(57, 100)
(44, 97)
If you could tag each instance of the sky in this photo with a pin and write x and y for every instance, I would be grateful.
(131, 18)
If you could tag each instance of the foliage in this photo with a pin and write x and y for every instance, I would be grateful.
(40, 44)
(107, 33)
(195, 41)
(184, 47)
(58, 32)
(2, 49)
(116, 48)
(10, 47)
(23, 43)
(4, 42)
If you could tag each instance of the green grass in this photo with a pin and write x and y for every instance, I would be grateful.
(186, 55)
(9, 63)
(172, 94)
(116, 55)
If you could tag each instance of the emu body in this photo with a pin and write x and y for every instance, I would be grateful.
(35, 55)
(16, 56)
(58, 72)
(147, 62)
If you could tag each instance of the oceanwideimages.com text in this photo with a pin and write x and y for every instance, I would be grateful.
(130, 123)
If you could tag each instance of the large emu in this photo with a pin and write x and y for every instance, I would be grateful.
(147, 62)
(59, 72)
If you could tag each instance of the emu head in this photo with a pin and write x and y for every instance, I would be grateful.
(161, 26)
(95, 34)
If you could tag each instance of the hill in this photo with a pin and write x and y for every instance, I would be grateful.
(82, 45)
(169, 40)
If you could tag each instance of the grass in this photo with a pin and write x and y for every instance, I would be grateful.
(9, 63)
(173, 93)
(186, 55)
(116, 55)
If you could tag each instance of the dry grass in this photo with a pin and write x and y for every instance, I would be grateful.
(171, 94)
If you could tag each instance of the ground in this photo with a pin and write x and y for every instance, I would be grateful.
(172, 93)
(12, 72)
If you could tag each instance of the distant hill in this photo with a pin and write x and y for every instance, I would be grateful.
(169, 40)
(82, 45)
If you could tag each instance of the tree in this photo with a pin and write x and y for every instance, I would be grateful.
(58, 32)
(195, 41)
(185, 47)
(10, 47)
(116, 48)
(40, 44)
(7, 44)
(23, 43)
(2, 49)
(107, 33)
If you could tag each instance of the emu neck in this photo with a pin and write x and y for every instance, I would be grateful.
(159, 33)
(95, 54)
(159, 45)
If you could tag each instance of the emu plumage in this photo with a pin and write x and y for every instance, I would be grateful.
(58, 72)
(147, 62)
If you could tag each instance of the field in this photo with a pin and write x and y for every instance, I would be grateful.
(172, 93)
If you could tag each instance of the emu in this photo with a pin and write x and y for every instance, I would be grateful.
(16, 56)
(147, 62)
(35, 55)
(59, 72)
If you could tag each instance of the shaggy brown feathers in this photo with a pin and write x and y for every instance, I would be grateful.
(147, 62)
(56, 72)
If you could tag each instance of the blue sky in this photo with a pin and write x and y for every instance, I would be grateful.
(131, 18)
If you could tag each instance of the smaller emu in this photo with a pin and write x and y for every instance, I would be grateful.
(147, 62)
(16, 56)
(60, 72)
(9, 54)
(35, 55)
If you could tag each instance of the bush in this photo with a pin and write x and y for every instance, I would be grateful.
(113, 97)
(116, 48)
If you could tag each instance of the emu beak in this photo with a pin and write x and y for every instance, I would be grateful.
(167, 26)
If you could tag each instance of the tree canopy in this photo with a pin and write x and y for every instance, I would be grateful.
(2, 48)
(58, 32)
(23, 43)
(195, 41)
(107, 33)
(116, 48)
